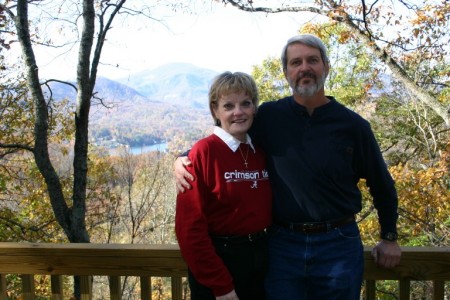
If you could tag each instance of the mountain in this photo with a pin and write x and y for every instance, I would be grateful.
(177, 83)
(108, 90)
(149, 107)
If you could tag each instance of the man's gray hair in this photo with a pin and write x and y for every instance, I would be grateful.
(308, 40)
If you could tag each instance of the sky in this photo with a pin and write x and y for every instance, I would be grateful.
(220, 38)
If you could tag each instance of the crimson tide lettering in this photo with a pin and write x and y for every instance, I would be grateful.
(245, 175)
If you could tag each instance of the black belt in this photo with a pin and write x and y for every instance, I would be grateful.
(237, 239)
(316, 227)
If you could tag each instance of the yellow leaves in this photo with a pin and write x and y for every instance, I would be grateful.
(424, 204)
(430, 15)
(440, 16)
(344, 37)
(424, 198)
(421, 18)
(311, 28)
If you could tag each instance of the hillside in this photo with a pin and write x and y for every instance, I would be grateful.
(164, 104)
(177, 83)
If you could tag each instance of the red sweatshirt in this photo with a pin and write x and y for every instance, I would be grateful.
(226, 199)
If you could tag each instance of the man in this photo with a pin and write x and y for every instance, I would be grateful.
(317, 151)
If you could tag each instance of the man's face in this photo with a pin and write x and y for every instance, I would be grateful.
(306, 71)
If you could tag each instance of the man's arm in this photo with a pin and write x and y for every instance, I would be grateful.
(387, 252)
(181, 174)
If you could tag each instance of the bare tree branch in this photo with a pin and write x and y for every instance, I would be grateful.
(15, 146)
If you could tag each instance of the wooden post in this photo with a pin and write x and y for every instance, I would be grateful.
(177, 289)
(146, 288)
(115, 288)
(404, 288)
(57, 287)
(370, 290)
(27, 287)
(86, 287)
(3, 295)
(438, 289)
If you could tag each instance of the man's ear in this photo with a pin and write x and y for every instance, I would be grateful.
(285, 75)
(327, 69)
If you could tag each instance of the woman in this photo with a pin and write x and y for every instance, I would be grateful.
(220, 222)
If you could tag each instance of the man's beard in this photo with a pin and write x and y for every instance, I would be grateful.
(311, 89)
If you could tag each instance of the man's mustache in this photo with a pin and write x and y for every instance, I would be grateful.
(306, 75)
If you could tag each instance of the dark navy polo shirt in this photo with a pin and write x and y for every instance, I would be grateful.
(315, 162)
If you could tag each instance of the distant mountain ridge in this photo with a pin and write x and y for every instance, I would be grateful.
(176, 83)
(105, 89)
(148, 107)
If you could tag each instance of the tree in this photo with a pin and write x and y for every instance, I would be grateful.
(134, 203)
(71, 219)
(143, 199)
(24, 213)
(270, 80)
(395, 32)
(86, 24)
(95, 20)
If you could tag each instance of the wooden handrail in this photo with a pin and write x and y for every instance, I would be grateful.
(417, 263)
(144, 261)
(91, 259)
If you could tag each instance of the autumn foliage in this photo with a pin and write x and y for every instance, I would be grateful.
(424, 205)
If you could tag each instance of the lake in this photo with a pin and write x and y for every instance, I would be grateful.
(143, 149)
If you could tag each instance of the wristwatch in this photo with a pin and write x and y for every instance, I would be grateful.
(390, 236)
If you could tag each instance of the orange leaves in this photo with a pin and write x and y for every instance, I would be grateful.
(344, 37)
(432, 14)
(424, 199)
(421, 18)
(424, 204)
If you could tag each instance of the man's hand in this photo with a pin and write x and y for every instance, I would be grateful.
(387, 254)
(181, 174)
(230, 296)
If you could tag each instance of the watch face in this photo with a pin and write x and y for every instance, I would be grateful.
(390, 236)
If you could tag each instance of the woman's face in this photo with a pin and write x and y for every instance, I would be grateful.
(235, 113)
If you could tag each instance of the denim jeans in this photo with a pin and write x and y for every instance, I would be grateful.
(316, 266)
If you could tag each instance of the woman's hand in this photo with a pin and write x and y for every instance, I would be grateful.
(230, 296)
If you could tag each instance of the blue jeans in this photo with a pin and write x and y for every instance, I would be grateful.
(315, 266)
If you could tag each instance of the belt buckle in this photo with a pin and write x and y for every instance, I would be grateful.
(255, 236)
(250, 237)
(308, 227)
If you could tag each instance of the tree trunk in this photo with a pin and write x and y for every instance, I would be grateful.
(40, 150)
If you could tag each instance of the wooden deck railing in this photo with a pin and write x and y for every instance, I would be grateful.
(145, 261)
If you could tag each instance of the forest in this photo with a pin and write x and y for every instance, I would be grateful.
(57, 187)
